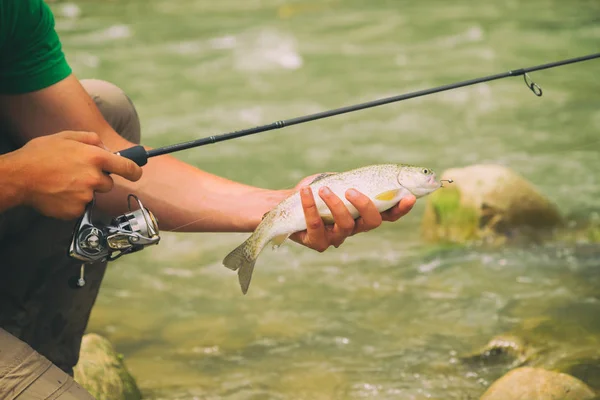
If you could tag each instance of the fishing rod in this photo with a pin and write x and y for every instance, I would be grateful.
(131, 232)
(140, 155)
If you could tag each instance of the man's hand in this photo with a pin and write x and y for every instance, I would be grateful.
(58, 174)
(319, 236)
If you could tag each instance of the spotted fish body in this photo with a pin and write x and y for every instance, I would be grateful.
(384, 184)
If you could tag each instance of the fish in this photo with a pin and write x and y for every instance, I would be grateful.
(384, 184)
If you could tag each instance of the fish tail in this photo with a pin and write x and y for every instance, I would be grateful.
(242, 261)
(243, 257)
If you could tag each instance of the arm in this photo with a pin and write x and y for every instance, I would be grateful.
(40, 97)
(12, 194)
(195, 201)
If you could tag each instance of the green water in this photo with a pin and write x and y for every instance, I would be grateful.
(385, 316)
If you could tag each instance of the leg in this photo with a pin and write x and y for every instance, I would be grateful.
(36, 303)
(27, 375)
(116, 107)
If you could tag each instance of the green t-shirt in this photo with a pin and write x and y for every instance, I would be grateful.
(31, 56)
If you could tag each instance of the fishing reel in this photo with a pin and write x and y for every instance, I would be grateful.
(125, 234)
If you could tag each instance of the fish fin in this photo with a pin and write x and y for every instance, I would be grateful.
(328, 219)
(245, 275)
(278, 240)
(323, 175)
(387, 195)
(241, 260)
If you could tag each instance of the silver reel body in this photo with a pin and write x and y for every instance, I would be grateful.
(125, 234)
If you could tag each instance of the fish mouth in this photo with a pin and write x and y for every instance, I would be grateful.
(433, 182)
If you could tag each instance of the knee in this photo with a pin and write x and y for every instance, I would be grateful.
(116, 107)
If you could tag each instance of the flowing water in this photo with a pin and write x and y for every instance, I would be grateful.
(385, 315)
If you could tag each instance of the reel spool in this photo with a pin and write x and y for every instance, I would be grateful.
(125, 234)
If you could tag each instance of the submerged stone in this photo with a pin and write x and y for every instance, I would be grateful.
(102, 371)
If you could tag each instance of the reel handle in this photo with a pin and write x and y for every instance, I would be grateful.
(137, 154)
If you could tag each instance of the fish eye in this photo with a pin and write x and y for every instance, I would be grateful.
(425, 171)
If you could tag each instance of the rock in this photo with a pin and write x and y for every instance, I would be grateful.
(527, 383)
(102, 372)
(487, 202)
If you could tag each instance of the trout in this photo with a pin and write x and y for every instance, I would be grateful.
(384, 184)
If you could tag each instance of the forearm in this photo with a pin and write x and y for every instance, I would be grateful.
(185, 198)
(182, 197)
(11, 189)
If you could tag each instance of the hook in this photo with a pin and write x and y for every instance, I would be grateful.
(532, 85)
(446, 180)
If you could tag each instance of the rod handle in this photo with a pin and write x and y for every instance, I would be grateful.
(137, 154)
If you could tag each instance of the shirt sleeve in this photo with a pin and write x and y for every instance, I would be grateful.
(31, 57)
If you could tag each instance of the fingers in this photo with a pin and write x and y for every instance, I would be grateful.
(319, 237)
(122, 166)
(315, 228)
(110, 162)
(344, 223)
(370, 217)
(105, 184)
(400, 210)
(90, 138)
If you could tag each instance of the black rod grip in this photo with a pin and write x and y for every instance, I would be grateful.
(137, 154)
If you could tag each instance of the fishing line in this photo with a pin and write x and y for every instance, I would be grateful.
(140, 155)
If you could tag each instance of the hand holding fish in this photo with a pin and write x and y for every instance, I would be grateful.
(319, 236)
(329, 208)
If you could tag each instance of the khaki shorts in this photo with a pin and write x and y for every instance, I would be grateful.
(37, 304)
(27, 375)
